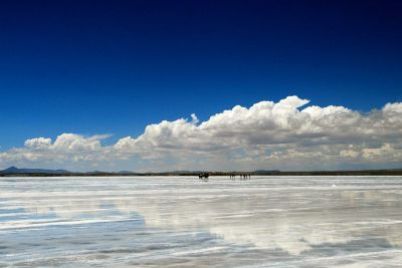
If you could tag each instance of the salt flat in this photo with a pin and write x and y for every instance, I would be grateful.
(183, 222)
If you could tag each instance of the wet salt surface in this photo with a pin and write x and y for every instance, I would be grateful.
(182, 222)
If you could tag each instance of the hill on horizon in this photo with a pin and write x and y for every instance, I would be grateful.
(16, 170)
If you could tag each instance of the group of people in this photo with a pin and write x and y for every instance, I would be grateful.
(243, 176)
(204, 176)
(232, 176)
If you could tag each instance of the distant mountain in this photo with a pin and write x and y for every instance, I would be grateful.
(125, 172)
(15, 170)
(263, 171)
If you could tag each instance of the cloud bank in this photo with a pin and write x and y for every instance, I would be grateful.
(288, 135)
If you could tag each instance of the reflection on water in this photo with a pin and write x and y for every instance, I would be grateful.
(181, 222)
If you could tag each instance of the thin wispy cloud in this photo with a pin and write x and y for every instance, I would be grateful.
(289, 134)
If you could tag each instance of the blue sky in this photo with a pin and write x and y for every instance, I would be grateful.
(114, 67)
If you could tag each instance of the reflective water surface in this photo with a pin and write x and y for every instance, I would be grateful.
(182, 222)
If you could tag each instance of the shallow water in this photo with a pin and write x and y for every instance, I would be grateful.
(183, 222)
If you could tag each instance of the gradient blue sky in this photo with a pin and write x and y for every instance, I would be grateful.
(115, 66)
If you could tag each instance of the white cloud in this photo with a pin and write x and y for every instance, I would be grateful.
(285, 135)
(38, 143)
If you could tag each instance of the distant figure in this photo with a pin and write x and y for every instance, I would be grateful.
(245, 176)
(203, 176)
